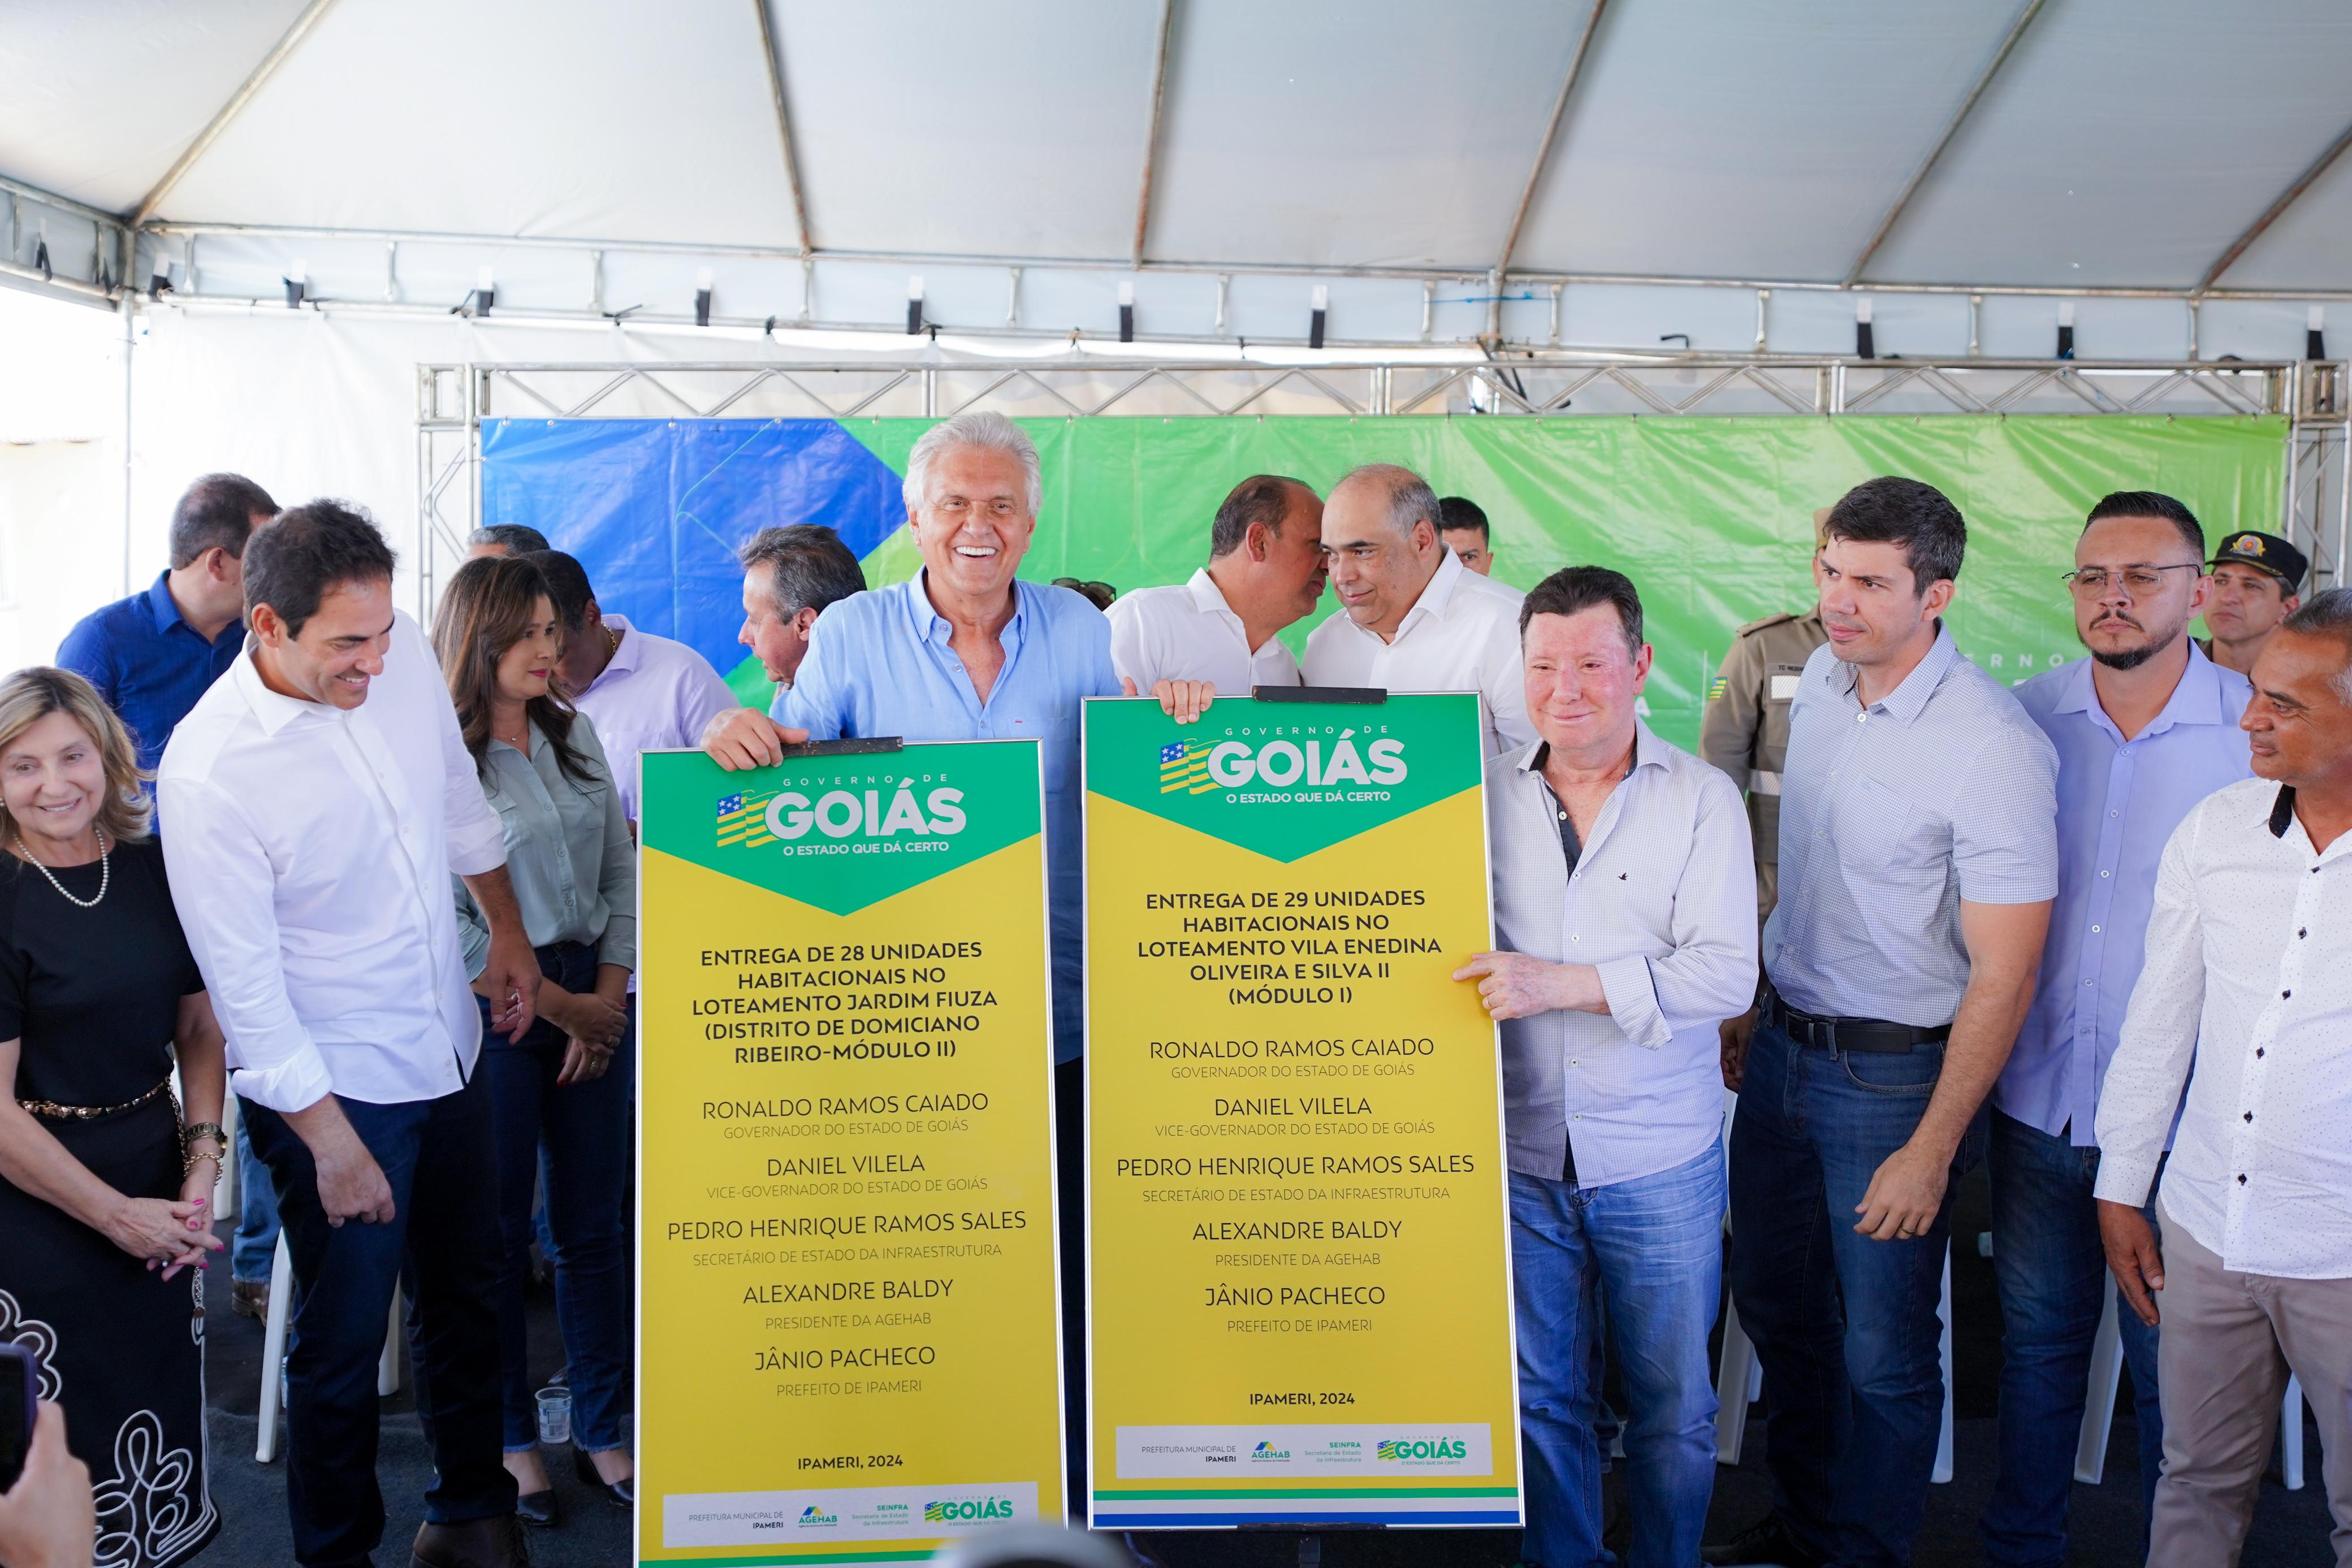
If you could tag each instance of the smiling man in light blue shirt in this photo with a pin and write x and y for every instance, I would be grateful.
(968, 652)
(2145, 728)
(965, 650)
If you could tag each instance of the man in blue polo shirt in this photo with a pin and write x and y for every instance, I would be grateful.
(152, 655)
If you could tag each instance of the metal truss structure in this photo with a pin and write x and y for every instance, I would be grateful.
(454, 398)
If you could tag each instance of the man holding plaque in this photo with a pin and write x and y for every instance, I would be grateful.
(966, 651)
(1623, 906)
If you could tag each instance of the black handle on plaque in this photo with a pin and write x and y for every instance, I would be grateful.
(1364, 696)
(853, 746)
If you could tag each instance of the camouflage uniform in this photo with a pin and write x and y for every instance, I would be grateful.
(1745, 728)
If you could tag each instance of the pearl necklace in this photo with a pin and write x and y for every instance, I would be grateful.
(105, 872)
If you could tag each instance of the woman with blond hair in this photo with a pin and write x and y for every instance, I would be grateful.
(560, 1095)
(104, 1194)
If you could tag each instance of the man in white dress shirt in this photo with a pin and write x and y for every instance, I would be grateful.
(1625, 905)
(1412, 618)
(2245, 1000)
(320, 796)
(1266, 571)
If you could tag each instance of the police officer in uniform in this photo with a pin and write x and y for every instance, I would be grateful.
(1744, 729)
(2256, 580)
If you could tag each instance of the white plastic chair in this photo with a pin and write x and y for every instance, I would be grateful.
(2099, 1408)
(273, 1352)
(1739, 1381)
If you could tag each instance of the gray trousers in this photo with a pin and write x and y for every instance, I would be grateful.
(2229, 1342)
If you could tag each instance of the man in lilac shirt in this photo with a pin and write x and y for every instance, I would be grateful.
(642, 692)
(2145, 728)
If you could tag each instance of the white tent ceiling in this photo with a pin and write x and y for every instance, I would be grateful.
(2119, 145)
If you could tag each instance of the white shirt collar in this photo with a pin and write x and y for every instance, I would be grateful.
(1207, 597)
(273, 710)
(1437, 593)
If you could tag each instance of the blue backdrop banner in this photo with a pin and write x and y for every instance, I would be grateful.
(656, 508)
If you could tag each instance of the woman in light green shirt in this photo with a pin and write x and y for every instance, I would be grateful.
(559, 1096)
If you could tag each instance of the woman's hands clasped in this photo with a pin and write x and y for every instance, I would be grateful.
(170, 1235)
(594, 1027)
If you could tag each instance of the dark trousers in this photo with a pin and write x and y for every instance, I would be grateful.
(2053, 1272)
(1070, 1198)
(436, 1153)
(1845, 1327)
(578, 1135)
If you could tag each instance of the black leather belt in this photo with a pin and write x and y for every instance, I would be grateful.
(1874, 1035)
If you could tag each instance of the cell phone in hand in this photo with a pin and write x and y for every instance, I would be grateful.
(20, 1385)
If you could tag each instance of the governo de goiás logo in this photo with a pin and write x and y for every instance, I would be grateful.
(968, 1510)
(1405, 1450)
(884, 806)
(1314, 759)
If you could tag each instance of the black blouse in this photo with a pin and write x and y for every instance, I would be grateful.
(92, 994)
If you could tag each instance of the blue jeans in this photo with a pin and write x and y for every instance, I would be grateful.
(436, 1155)
(577, 1136)
(254, 1252)
(2053, 1270)
(1653, 1246)
(1845, 1328)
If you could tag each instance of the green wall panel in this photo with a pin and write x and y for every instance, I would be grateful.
(1711, 517)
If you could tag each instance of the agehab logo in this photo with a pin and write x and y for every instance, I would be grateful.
(1266, 1453)
(812, 1516)
(876, 808)
(961, 1511)
(1315, 762)
(1404, 1450)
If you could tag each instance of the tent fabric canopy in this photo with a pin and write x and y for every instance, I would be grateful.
(2121, 143)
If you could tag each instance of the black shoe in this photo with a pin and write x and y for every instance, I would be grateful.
(472, 1544)
(620, 1494)
(1765, 1542)
(537, 1508)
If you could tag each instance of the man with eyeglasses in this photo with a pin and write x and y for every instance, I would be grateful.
(2257, 581)
(2145, 728)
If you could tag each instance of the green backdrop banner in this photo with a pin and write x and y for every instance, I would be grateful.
(1711, 517)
